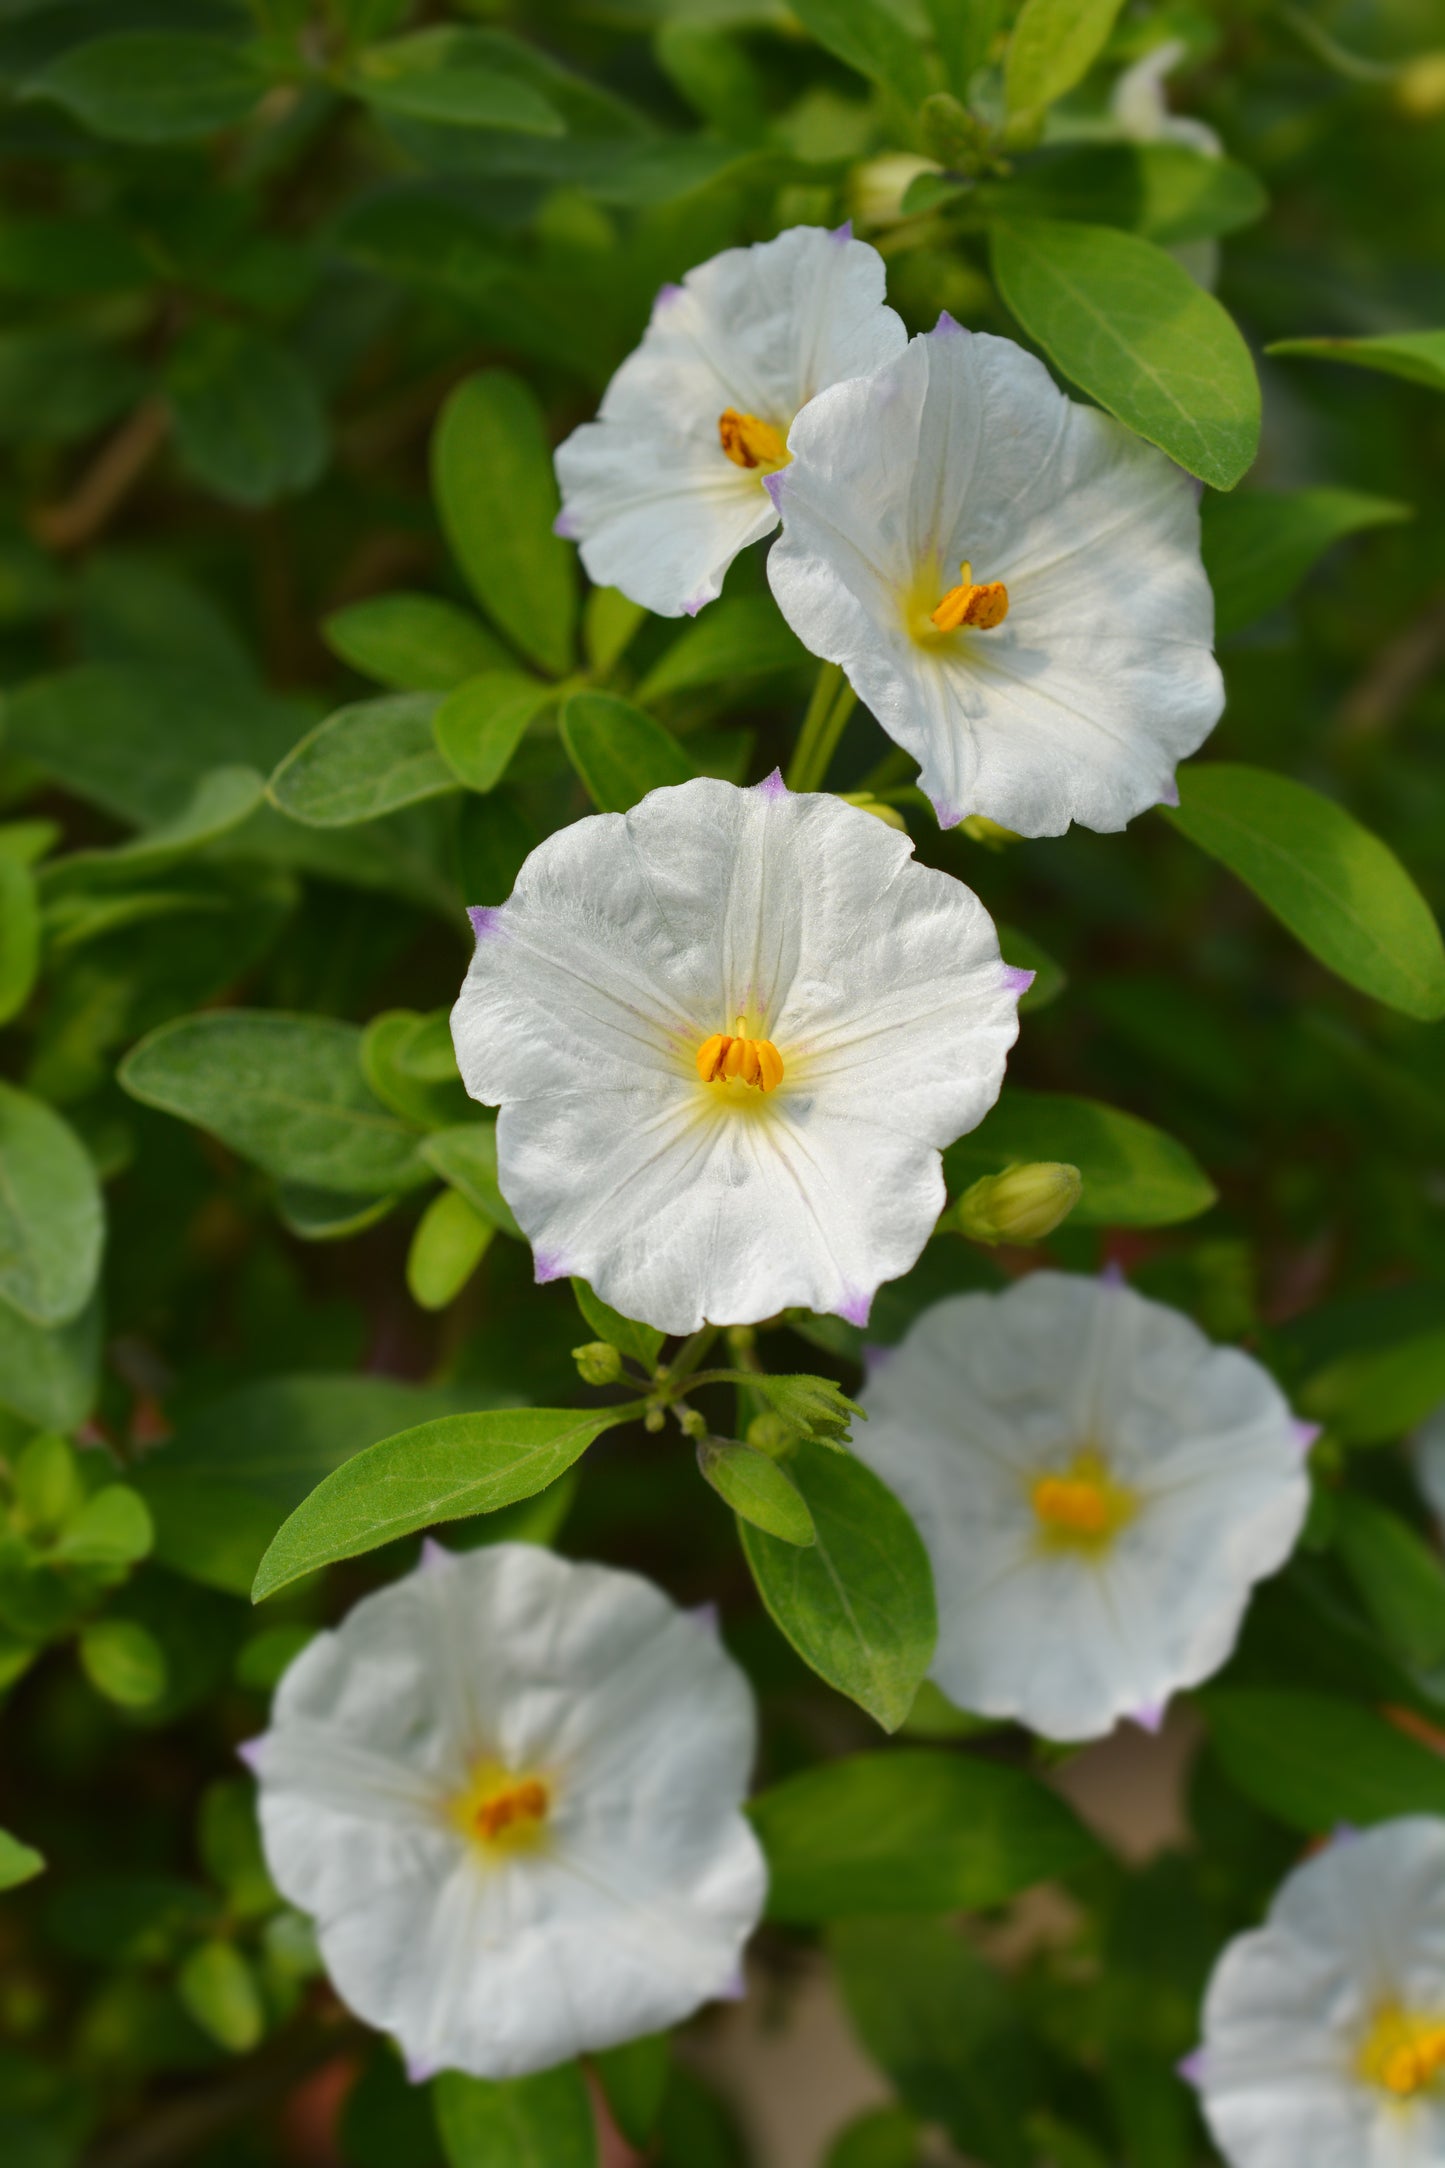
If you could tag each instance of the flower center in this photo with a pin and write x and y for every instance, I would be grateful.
(982, 606)
(501, 1810)
(1403, 2052)
(1081, 1507)
(749, 441)
(731, 1057)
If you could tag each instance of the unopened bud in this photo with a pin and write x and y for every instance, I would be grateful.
(693, 1422)
(770, 1434)
(957, 138)
(1023, 1204)
(988, 833)
(598, 1363)
(1420, 86)
(876, 188)
(867, 803)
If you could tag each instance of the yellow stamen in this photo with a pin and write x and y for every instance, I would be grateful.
(500, 1810)
(1403, 2052)
(1081, 1507)
(982, 606)
(749, 441)
(732, 1057)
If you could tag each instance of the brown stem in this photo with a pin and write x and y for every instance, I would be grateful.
(1401, 668)
(101, 492)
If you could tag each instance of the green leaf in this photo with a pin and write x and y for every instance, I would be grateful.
(497, 494)
(50, 1377)
(408, 1061)
(757, 1489)
(219, 1990)
(642, 1342)
(414, 643)
(450, 1242)
(1373, 1395)
(609, 620)
(741, 636)
(1418, 356)
(911, 1831)
(363, 762)
(1399, 1578)
(284, 1091)
(1133, 1174)
(1314, 1761)
(634, 2078)
(124, 1661)
(868, 36)
(248, 417)
(879, 2138)
(479, 726)
(221, 801)
(19, 936)
(1339, 889)
(1164, 191)
(442, 1471)
(327, 1215)
(244, 1459)
(467, 1158)
(152, 87)
(448, 75)
(857, 1604)
(1053, 47)
(1259, 544)
(620, 753)
(112, 1528)
(1121, 318)
(964, 31)
(18, 1863)
(539, 2122)
(52, 1222)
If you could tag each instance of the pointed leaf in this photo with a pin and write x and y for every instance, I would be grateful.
(757, 1489)
(1259, 544)
(363, 762)
(52, 1222)
(1418, 356)
(620, 753)
(480, 724)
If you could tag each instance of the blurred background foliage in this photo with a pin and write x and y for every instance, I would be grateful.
(294, 299)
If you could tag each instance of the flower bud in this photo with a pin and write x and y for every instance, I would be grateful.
(1023, 1204)
(598, 1363)
(772, 1435)
(876, 189)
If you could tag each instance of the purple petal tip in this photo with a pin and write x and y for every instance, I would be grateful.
(855, 1307)
(773, 786)
(843, 232)
(1016, 980)
(1304, 1434)
(1190, 2068)
(706, 1616)
(876, 1355)
(773, 484)
(1169, 795)
(249, 1751)
(734, 1989)
(486, 919)
(691, 607)
(1113, 1274)
(434, 1555)
(666, 295)
(565, 525)
(948, 327)
(1150, 1717)
(547, 1265)
(419, 2071)
(947, 816)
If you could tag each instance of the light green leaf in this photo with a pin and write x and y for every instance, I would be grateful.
(634, 2078)
(479, 726)
(327, 1215)
(112, 1528)
(1418, 356)
(868, 36)
(1164, 191)
(620, 753)
(1399, 1578)
(609, 620)
(911, 1831)
(497, 494)
(363, 762)
(124, 1661)
(857, 1604)
(1339, 889)
(450, 1242)
(50, 1377)
(52, 1222)
(19, 936)
(741, 636)
(467, 1158)
(1121, 318)
(448, 75)
(964, 31)
(1373, 1395)
(219, 1990)
(1259, 544)
(442, 1471)
(758, 1490)
(1315, 1760)
(879, 2138)
(408, 1061)
(249, 420)
(1133, 1174)
(284, 1091)
(18, 1863)
(415, 643)
(144, 86)
(540, 2122)
(1053, 47)
(642, 1342)
(220, 801)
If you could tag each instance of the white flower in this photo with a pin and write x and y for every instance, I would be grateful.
(1324, 2031)
(729, 1032)
(507, 1788)
(1429, 1444)
(1012, 583)
(1141, 110)
(666, 486)
(1099, 1488)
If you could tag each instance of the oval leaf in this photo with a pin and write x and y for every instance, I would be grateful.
(363, 762)
(757, 1489)
(450, 1242)
(1054, 45)
(479, 726)
(448, 74)
(143, 86)
(857, 1604)
(1418, 356)
(1339, 889)
(1259, 544)
(416, 643)
(1316, 1760)
(249, 418)
(620, 753)
(1133, 1174)
(1122, 319)
(539, 2122)
(52, 1222)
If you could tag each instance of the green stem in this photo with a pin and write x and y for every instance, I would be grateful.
(1354, 67)
(686, 1360)
(832, 703)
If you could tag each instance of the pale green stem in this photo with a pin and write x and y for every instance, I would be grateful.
(832, 703)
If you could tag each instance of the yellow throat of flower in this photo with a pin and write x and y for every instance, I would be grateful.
(1080, 1507)
(751, 442)
(731, 1057)
(1403, 2052)
(973, 605)
(502, 1810)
